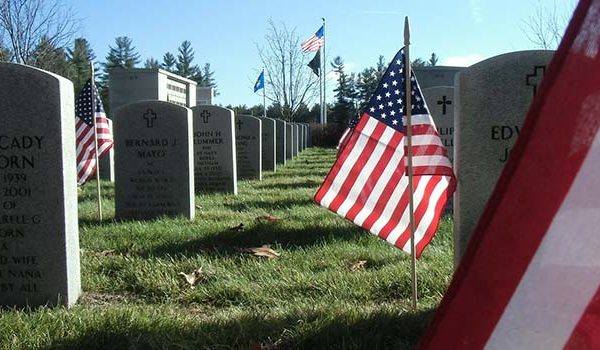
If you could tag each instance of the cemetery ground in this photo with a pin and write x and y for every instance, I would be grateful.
(318, 293)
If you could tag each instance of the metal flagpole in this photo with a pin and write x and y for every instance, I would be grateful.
(324, 73)
(408, 108)
(264, 96)
(320, 88)
(96, 142)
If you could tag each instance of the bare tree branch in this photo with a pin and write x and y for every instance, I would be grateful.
(546, 26)
(291, 84)
(25, 23)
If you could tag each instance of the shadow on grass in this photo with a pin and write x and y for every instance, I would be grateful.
(229, 242)
(307, 329)
(251, 205)
(290, 186)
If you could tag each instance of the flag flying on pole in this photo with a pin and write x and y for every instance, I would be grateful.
(260, 82)
(315, 41)
(315, 63)
(85, 111)
(368, 184)
(530, 276)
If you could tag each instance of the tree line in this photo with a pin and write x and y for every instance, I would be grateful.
(40, 32)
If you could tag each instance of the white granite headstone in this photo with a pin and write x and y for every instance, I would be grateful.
(39, 235)
(280, 141)
(441, 106)
(215, 168)
(269, 144)
(154, 168)
(248, 143)
(295, 139)
(289, 140)
(491, 100)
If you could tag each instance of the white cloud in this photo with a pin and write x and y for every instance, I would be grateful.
(462, 61)
(394, 13)
(476, 15)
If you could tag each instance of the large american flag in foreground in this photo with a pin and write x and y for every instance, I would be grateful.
(315, 41)
(530, 278)
(368, 184)
(85, 111)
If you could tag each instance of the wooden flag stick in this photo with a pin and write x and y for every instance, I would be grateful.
(96, 143)
(409, 166)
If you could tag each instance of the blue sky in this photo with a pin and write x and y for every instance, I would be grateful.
(225, 33)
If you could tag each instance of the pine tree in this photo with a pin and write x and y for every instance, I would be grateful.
(80, 56)
(48, 57)
(151, 63)
(184, 65)
(381, 67)
(418, 63)
(123, 55)
(366, 83)
(433, 60)
(207, 76)
(345, 94)
(169, 62)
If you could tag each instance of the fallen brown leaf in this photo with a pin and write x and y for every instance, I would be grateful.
(359, 265)
(267, 219)
(194, 277)
(265, 250)
(238, 228)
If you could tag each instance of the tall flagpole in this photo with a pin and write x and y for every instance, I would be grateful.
(264, 96)
(321, 120)
(324, 72)
(408, 108)
(93, 93)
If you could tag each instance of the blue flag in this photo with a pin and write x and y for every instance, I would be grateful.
(260, 82)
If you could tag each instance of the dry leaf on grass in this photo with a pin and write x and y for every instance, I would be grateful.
(265, 250)
(238, 228)
(106, 252)
(359, 265)
(194, 277)
(267, 219)
(264, 345)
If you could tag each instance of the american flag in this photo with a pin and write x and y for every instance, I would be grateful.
(368, 184)
(84, 124)
(315, 41)
(530, 276)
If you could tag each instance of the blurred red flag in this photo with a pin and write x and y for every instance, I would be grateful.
(530, 276)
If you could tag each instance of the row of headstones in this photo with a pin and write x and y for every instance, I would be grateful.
(39, 234)
(479, 119)
(165, 153)
(39, 244)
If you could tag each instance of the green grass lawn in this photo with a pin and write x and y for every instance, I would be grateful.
(309, 297)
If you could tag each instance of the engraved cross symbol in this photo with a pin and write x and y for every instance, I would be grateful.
(533, 79)
(239, 124)
(444, 102)
(205, 114)
(149, 116)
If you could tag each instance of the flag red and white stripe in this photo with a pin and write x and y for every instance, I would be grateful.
(85, 110)
(368, 184)
(314, 42)
(530, 278)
